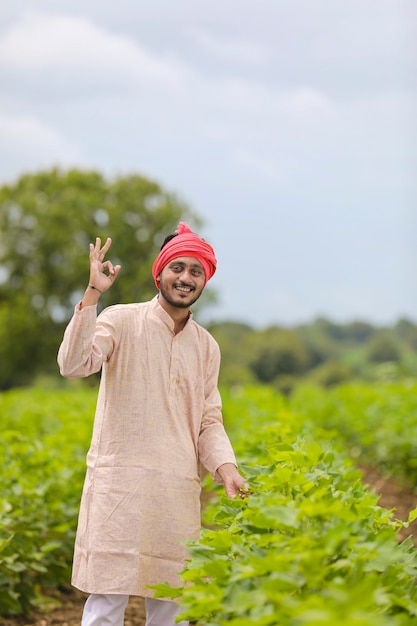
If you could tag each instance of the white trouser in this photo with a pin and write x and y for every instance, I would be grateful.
(109, 610)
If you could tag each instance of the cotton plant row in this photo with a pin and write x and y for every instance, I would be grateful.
(309, 546)
(375, 423)
(42, 455)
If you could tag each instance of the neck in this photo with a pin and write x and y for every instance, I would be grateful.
(179, 315)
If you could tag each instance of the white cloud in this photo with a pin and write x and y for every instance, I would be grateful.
(30, 144)
(306, 100)
(244, 94)
(230, 49)
(291, 125)
(41, 42)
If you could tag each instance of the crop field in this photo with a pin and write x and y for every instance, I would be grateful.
(42, 454)
(309, 545)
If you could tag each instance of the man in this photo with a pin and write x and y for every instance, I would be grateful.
(158, 417)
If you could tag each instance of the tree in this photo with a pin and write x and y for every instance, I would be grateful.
(232, 338)
(332, 373)
(278, 352)
(404, 328)
(46, 223)
(356, 331)
(406, 331)
(383, 348)
(359, 331)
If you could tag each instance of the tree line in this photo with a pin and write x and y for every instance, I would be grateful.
(47, 220)
(322, 352)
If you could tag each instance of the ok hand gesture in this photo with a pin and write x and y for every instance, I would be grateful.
(102, 273)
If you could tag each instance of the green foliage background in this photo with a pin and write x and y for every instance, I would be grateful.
(311, 539)
(46, 223)
(321, 352)
(47, 220)
(310, 545)
(45, 435)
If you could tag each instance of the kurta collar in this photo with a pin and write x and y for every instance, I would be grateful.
(164, 316)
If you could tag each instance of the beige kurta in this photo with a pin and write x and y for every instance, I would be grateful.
(158, 415)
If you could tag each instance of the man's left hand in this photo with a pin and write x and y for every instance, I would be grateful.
(234, 483)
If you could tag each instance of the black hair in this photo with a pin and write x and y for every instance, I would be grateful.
(168, 238)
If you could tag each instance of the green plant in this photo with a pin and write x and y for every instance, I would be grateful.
(44, 440)
(308, 546)
(375, 423)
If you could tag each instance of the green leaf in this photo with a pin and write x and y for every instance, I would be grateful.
(163, 590)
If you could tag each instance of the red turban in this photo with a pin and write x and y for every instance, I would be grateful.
(185, 243)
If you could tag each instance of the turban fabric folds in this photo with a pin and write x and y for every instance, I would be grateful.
(185, 243)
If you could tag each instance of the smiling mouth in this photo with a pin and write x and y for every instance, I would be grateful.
(184, 288)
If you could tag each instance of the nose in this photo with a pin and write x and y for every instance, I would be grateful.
(186, 275)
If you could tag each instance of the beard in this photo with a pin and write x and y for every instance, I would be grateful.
(179, 304)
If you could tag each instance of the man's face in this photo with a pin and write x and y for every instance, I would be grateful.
(182, 281)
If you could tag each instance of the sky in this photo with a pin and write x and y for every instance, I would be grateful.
(288, 126)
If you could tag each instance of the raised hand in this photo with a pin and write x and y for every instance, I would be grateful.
(102, 273)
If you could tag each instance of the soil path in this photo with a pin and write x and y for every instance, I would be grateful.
(393, 495)
(69, 603)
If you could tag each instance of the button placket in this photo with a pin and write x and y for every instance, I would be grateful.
(174, 362)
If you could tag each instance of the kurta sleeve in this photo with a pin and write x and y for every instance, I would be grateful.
(87, 343)
(214, 445)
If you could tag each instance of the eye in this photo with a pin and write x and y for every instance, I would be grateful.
(196, 272)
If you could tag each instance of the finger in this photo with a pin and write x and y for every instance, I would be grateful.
(105, 248)
(95, 249)
(244, 491)
(108, 265)
(232, 490)
(117, 269)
